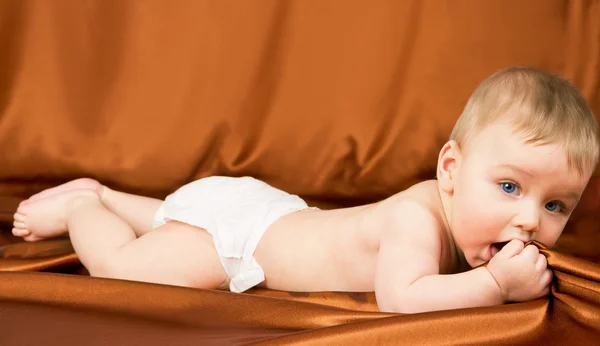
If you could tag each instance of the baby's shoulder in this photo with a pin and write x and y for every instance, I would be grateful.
(417, 205)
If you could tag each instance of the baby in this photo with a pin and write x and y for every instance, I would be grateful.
(513, 170)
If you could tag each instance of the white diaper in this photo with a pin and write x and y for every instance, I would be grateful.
(236, 212)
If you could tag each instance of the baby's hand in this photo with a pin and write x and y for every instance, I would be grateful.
(520, 272)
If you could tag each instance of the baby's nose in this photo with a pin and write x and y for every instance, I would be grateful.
(523, 236)
(529, 230)
(528, 219)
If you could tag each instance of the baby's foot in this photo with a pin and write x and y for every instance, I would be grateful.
(47, 217)
(77, 184)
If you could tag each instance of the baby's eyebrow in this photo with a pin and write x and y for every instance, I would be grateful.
(516, 168)
(571, 195)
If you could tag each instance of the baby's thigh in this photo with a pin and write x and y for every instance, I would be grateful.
(175, 254)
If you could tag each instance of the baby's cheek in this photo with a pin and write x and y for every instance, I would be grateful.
(477, 207)
(478, 215)
(548, 237)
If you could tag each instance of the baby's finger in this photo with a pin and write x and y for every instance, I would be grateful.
(546, 278)
(530, 253)
(544, 292)
(541, 263)
(513, 248)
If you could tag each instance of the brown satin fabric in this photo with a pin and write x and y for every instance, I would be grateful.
(77, 309)
(340, 102)
(347, 102)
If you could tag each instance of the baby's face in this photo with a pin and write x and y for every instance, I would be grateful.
(506, 189)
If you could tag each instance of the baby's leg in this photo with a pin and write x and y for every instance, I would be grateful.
(175, 253)
(137, 211)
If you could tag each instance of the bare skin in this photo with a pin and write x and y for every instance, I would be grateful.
(325, 232)
(404, 248)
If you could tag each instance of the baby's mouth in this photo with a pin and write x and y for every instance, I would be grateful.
(496, 247)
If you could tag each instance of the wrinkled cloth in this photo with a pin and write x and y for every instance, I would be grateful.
(75, 309)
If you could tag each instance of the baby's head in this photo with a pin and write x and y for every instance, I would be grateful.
(517, 162)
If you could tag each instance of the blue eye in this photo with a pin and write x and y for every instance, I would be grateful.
(553, 206)
(509, 188)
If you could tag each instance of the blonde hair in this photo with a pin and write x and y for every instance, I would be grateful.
(548, 110)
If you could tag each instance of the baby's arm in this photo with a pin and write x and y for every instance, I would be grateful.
(407, 278)
(413, 241)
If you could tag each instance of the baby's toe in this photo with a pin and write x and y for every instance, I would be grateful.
(31, 238)
(18, 224)
(19, 217)
(21, 232)
(22, 209)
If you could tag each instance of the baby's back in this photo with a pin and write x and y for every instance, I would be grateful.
(329, 250)
(319, 250)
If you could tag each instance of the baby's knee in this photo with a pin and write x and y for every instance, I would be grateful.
(108, 267)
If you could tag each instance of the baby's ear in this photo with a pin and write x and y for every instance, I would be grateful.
(447, 164)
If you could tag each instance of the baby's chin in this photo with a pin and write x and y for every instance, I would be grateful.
(476, 262)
